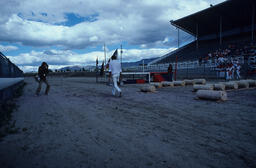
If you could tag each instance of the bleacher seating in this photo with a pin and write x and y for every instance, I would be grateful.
(191, 53)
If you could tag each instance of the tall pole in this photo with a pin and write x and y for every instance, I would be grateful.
(253, 16)
(175, 73)
(105, 55)
(142, 65)
(178, 38)
(121, 55)
(196, 35)
(105, 67)
(97, 69)
(220, 30)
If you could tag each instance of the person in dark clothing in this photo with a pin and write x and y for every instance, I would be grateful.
(170, 72)
(42, 73)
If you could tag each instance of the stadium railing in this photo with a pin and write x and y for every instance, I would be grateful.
(188, 68)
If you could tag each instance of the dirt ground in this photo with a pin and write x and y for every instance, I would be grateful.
(80, 124)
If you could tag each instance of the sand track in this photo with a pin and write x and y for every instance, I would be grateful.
(80, 124)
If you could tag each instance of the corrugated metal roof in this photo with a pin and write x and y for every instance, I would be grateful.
(233, 13)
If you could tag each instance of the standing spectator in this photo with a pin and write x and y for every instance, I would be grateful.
(228, 72)
(210, 56)
(200, 60)
(237, 70)
(42, 73)
(170, 72)
(232, 70)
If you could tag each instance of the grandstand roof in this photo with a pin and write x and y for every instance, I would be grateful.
(234, 14)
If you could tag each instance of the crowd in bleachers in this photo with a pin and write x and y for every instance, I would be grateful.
(233, 54)
(227, 58)
(229, 54)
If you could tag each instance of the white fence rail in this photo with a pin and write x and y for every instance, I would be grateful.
(180, 65)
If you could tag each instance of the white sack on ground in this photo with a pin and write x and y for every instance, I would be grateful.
(219, 87)
(189, 82)
(167, 83)
(211, 95)
(202, 87)
(199, 81)
(242, 84)
(179, 83)
(148, 88)
(157, 84)
(252, 83)
(230, 85)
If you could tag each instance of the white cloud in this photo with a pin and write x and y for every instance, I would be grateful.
(142, 23)
(136, 22)
(7, 48)
(59, 58)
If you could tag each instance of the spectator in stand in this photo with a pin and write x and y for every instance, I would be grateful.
(228, 71)
(221, 62)
(210, 56)
(232, 70)
(200, 60)
(237, 69)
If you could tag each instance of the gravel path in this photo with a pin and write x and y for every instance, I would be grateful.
(80, 124)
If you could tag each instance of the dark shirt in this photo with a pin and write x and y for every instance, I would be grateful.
(42, 72)
(170, 69)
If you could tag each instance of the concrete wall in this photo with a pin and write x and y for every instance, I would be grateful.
(192, 73)
(9, 91)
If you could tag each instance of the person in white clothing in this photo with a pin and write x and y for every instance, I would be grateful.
(238, 67)
(115, 69)
(227, 73)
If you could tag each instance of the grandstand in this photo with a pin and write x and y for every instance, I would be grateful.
(228, 25)
(8, 69)
(10, 78)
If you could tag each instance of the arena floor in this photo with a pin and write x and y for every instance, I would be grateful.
(80, 124)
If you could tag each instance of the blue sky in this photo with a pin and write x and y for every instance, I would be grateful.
(73, 32)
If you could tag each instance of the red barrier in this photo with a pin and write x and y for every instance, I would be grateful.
(140, 81)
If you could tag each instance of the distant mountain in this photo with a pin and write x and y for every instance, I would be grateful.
(76, 68)
(91, 68)
(71, 68)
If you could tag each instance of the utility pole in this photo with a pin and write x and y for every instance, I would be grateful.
(121, 55)
(253, 17)
(220, 30)
(175, 72)
(105, 67)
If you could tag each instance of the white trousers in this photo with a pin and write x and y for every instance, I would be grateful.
(238, 74)
(227, 75)
(115, 78)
